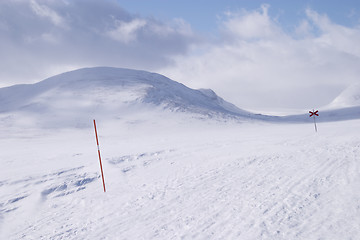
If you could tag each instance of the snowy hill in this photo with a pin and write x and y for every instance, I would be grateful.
(74, 98)
(350, 97)
(105, 91)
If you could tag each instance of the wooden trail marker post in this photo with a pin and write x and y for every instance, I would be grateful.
(314, 113)
(97, 142)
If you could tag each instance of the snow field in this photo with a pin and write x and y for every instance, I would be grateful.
(175, 177)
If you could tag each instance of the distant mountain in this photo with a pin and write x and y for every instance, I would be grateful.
(350, 97)
(72, 98)
(110, 91)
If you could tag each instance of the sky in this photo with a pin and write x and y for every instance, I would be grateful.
(258, 55)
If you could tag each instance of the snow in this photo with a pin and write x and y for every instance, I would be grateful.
(105, 92)
(171, 176)
(68, 99)
(171, 170)
(350, 97)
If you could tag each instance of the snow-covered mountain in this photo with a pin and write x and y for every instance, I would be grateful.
(350, 97)
(104, 91)
(72, 98)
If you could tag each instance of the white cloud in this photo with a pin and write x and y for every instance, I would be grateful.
(253, 25)
(39, 36)
(305, 29)
(44, 11)
(256, 64)
(341, 38)
(126, 32)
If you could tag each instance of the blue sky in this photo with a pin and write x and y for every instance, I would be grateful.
(256, 54)
(203, 14)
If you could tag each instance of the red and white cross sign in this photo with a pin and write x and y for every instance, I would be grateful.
(313, 113)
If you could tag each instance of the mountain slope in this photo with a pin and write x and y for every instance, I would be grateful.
(72, 98)
(350, 97)
(109, 91)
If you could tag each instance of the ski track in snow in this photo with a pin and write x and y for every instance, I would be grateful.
(232, 182)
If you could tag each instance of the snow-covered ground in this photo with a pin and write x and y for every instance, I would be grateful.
(172, 176)
(179, 164)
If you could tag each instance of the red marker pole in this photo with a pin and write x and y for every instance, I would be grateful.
(97, 142)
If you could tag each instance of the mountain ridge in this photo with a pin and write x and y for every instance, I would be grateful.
(110, 91)
(81, 94)
(350, 97)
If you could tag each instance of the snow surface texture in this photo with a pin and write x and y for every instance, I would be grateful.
(178, 164)
(169, 176)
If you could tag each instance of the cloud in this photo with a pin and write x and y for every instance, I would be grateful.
(44, 37)
(44, 11)
(332, 35)
(253, 61)
(258, 64)
(250, 25)
(126, 32)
